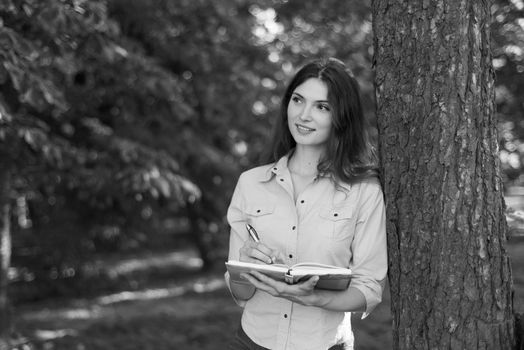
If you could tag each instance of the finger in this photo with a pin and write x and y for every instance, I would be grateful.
(311, 282)
(250, 252)
(278, 257)
(273, 254)
(278, 286)
(259, 285)
(270, 253)
(257, 254)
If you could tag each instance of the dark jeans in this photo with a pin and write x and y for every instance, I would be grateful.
(243, 342)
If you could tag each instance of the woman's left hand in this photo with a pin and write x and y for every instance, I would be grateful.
(302, 292)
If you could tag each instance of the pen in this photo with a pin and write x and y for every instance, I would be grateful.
(252, 233)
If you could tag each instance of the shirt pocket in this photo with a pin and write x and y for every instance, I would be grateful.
(337, 223)
(260, 215)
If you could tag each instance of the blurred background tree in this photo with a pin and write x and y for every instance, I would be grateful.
(508, 61)
(125, 124)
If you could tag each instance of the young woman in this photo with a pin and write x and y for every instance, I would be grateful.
(318, 200)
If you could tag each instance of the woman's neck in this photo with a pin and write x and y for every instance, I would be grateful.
(304, 161)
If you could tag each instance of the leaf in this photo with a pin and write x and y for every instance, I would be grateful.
(34, 97)
(52, 95)
(162, 186)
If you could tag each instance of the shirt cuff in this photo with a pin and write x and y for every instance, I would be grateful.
(239, 302)
(372, 293)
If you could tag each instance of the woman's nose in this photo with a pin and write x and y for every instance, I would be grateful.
(306, 113)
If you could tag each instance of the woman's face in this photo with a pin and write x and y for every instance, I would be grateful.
(309, 114)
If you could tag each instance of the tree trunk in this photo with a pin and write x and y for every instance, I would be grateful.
(450, 275)
(197, 234)
(5, 252)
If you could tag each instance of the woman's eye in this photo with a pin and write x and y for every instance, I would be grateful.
(296, 99)
(324, 107)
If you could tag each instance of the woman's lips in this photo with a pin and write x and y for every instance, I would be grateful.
(304, 129)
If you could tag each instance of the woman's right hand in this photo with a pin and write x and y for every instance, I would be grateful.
(259, 253)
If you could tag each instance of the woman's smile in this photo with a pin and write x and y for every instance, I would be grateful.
(304, 130)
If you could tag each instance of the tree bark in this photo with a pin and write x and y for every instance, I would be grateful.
(449, 273)
(5, 252)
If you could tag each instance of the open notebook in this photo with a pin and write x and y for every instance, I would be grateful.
(331, 277)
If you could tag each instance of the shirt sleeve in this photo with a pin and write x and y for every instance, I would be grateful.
(369, 246)
(238, 234)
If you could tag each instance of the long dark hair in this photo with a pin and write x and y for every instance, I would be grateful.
(349, 155)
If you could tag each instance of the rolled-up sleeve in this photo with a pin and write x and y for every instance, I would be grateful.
(369, 246)
(238, 234)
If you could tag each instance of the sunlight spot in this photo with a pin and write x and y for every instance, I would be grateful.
(273, 57)
(179, 259)
(210, 286)
(121, 51)
(240, 148)
(287, 67)
(43, 334)
(513, 50)
(520, 21)
(267, 28)
(514, 160)
(499, 62)
(150, 294)
(519, 4)
(366, 27)
(141, 295)
(68, 314)
(269, 83)
(258, 108)
(79, 314)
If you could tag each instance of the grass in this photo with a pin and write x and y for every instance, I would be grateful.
(180, 308)
(186, 311)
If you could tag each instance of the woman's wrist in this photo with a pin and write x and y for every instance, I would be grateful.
(318, 299)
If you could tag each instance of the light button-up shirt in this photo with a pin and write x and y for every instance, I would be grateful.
(341, 225)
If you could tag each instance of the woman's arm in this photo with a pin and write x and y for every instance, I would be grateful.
(351, 299)
(243, 248)
(236, 219)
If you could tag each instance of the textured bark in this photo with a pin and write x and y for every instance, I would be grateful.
(5, 252)
(449, 272)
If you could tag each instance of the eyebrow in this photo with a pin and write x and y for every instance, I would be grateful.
(299, 95)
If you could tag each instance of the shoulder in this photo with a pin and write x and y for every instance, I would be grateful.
(256, 174)
(367, 187)
(372, 183)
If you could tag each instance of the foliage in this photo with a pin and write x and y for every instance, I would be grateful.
(508, 61)
(70, 87)
(76, 80)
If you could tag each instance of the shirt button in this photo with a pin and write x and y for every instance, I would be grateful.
(291, 256)
(285, 315)
(302, 201)
(281, 179)
(294, 227)
(335, 214)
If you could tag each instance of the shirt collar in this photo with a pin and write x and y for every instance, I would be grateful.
(280, 167)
